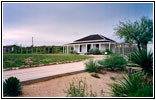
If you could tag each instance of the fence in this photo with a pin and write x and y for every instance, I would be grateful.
(123, 48)
(40, 49)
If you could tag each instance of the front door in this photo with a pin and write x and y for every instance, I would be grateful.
(88, 47)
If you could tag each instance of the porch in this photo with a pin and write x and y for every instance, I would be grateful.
(84, 48)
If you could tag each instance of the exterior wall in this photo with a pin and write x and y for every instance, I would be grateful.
(150, 47)
(83, 49)
(77, 48)
(104, 47)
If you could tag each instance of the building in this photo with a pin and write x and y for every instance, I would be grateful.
(8, 49)
(96, 41)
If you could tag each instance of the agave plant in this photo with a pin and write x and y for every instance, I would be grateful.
(12, 87)
(132, 86)
(144, 59)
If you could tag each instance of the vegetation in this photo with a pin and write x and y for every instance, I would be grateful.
(113, 78)
(95, 51)
(78, 88)
(145, 60)
(12, 87)
(91, 66)
(114, 61)
(17, 60)
(73, 52)
(139, 31)
(133, 85)
(108, 51)
(95, 75)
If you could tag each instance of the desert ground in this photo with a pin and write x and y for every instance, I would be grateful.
(55, 87)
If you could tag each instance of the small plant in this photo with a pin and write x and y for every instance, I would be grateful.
(144, 59)
(73, 52)
(95, 51)
(91, 66)
(108, 51)
(95, 75)
(114, 61)
(113, 78)
(12, 87)
(132, 85)
(78, 88)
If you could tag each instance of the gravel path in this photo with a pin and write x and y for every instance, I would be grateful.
(28, 74)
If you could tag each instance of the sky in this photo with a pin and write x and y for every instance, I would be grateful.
(61, 23)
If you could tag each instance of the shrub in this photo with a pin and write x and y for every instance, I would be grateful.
(78, 88)
(95, 51)
(108, 51)
(144, 59)
(95, 75)
(91, 66)
(132, 85)
(114, 61)
(73, 52)
(12, 87)
(113, 78)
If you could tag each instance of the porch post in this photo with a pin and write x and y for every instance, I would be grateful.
(86, 47)
(74, 47)
(92, 46)
(67, 49)
(63, 49)
(99, 46)
(79, 48)
(109, 45)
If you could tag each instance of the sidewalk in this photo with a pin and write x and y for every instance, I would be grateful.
(29, 74)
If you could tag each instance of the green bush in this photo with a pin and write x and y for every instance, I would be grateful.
(132, 85)
(78, 88)
(95, 75)
(108, 51)
(144, 59)
(12, 87)
(114, 61)
(73, 52)
(146, 91)
(91, 66)
(95, 51)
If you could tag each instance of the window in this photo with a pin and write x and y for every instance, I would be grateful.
(97, 46)
(80, 48)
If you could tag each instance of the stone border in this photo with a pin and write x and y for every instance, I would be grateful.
(27, 66)
(28, 82)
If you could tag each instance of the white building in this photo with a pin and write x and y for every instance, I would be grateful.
(83, 45)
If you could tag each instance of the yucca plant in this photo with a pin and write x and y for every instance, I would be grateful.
(144, 59)
(132, 85)
(12, 87)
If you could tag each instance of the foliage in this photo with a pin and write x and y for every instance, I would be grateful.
(132, 85)
(12, 87)
(79, 88)
(113, 78)
(114, 61)
(139, 31)
(108, 51)
(144, 59)
(95, 51)
(146, 91)
(91, 66)
(17, 60)
(73, 52)
(95, 75)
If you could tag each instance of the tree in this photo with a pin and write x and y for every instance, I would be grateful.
(139, 31)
